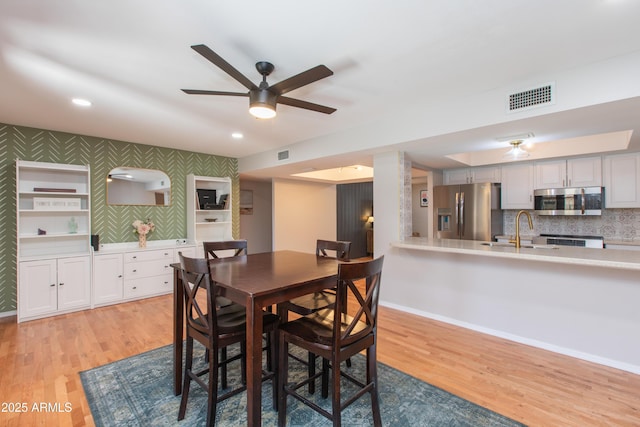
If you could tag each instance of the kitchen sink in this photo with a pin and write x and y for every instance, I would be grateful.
(513, 245)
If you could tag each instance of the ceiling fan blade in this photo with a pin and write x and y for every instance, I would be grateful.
(223, 65)
(213, 92)
(304, 104)
(302, 79)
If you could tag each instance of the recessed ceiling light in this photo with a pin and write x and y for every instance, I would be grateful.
(237, 135)
(81, 102)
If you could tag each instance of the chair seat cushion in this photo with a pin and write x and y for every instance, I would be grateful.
(318, 328)
(233, 319)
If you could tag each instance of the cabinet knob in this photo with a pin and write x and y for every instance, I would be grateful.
(53, 285)
(135, 287)
(119, 276)
(135, 257)
(135, 271)
(61, 284)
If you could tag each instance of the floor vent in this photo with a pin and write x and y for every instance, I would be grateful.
(283, 155)
(532, 98)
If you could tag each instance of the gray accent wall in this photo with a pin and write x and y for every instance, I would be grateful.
(354, 206)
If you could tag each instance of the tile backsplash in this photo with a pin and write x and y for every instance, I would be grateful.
(613, 224)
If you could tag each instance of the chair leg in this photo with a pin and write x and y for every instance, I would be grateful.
(273, 352)
(335, 397)
(187, 378)
(223, 374)
(372, 377)
(212, 390)
(311, 370)
(283, 367)
(243, 361)
(325, 378)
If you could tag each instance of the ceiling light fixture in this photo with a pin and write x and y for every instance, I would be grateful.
(237, 135)
(81, 102)
(516, 151)
(262, 104)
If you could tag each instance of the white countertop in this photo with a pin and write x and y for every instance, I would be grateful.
(151, 245)
(612, 258)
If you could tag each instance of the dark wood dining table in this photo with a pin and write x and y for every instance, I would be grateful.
(256, 281)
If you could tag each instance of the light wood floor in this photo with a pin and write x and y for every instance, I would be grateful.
(40, 361)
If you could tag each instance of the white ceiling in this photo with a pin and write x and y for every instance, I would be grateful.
(410, 75)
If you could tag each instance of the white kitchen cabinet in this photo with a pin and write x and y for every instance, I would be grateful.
(580, 172)
(622, 180)
(148, 273)
(205, 225)
(472, 175)
(123, 273)
(517, 186)
(108, 278)
(53, 286)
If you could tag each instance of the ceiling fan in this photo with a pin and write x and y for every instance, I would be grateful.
(263, 98)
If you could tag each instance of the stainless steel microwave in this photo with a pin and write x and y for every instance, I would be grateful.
(569, 201)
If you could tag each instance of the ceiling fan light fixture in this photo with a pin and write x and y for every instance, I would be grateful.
(262, 104)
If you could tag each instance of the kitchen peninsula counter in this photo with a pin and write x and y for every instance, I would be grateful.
(576, 301)
(611, 258)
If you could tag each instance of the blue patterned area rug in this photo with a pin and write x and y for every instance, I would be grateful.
(138, 391)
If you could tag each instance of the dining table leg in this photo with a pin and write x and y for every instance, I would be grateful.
(254, 363)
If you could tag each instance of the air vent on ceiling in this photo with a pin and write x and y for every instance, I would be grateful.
(531, 98)
(283, 155)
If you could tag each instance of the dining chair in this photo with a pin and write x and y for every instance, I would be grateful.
(336, 336)
(214, 250)
(221, 249)
(215, 328)
(311, 303)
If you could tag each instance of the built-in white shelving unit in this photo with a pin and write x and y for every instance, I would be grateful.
(215, 222)
(53, 238)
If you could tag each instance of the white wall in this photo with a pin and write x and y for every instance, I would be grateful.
(302, 213)
(256, 228)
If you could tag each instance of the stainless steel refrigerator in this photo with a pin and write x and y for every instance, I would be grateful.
(467, 211)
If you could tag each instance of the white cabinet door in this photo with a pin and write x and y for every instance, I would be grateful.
(54, 285)
(472, 175)
(487, 174)
(585, 172)
(38, 288)
(517, 186)
(107, 278)
(74, 283)
(622, 181)
(551, 174)
(581, 172)
(456, 176)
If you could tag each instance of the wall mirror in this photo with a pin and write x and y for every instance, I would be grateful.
(134, 186)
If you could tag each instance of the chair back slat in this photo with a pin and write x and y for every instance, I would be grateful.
(334, 249)
(198, 294)
(212, 249)
(365, 319)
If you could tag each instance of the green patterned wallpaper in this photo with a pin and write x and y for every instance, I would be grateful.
(112, 223)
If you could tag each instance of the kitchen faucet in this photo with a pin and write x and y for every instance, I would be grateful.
(517, 239)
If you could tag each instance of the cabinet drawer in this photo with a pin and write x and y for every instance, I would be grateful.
(148, 268)
(148, 286)
(149, 255)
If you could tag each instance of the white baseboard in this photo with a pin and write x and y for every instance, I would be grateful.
(635, 369)
(8, 313)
